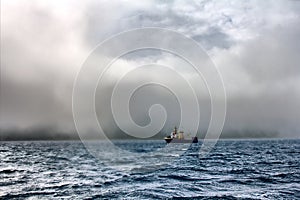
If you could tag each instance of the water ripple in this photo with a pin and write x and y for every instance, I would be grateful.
(233, 170)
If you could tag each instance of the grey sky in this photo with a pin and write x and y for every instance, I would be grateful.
(254, 44)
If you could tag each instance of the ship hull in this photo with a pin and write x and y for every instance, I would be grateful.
(175, 140)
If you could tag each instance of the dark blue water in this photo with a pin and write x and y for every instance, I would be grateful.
(266, 169)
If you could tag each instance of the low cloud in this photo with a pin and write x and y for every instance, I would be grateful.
(254, 44)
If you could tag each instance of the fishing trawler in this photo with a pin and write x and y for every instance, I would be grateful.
(178, 137)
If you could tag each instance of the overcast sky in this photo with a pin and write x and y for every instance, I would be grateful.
(254, 44)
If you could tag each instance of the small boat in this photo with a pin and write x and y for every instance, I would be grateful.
(178, 137)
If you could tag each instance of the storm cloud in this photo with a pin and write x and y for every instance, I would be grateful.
(254, 44)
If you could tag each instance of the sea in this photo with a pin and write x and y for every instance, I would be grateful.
(234, 169)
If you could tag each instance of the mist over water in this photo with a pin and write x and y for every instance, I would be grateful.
(256, 52)
(235, 169)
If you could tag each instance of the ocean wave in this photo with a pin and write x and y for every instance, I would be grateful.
(64, 170)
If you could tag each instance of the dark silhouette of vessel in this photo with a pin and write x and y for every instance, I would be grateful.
(178, 137)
